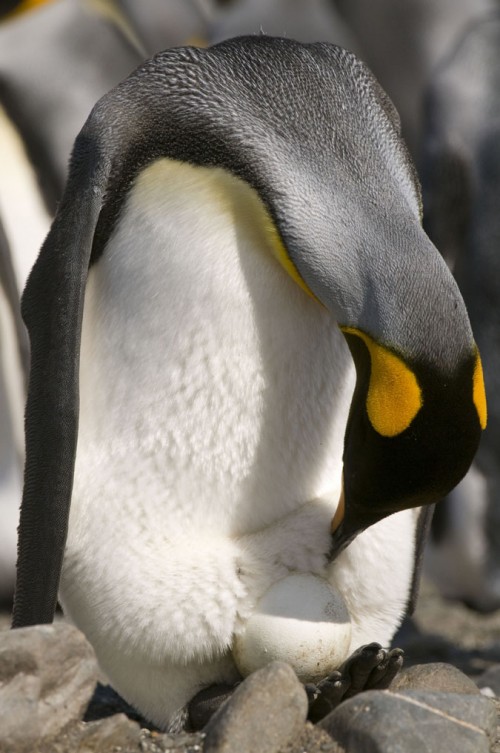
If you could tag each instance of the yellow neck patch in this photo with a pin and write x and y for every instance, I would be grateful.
(394, 395)
(478, 392)
(281, 254)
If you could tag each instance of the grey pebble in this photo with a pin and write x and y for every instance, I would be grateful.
(413, 722)
(265, 713)
(154, 742)
(312, 740)
(47, 676)
(434, 676)
(117, 734)
(490, 679)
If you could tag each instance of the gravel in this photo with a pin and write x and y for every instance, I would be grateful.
(444, 633)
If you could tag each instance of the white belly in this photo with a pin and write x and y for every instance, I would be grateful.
(214, 397)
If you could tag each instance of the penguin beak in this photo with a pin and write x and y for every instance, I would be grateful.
(340, 511)
(340, 540)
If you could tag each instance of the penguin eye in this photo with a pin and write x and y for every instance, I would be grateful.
(394, 396)
(478, 392)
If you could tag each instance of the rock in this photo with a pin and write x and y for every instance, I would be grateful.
(265, 713)
(413, 722)
(155, 742)
(47, 676)
(488, 692)
(114, 733)
(490, 679)
(111, 735)
(436, 676)
(312, 740)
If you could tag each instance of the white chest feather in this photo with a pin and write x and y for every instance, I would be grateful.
(204, 361)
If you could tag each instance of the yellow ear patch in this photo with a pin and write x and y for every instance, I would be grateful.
(394, 395)
(25, 6)
(478, 392)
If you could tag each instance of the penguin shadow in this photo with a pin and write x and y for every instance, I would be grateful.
(106, 702)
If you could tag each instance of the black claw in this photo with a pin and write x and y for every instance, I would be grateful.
(384, 674)
(330, 694)
(368, 668)
(312, 692)
(334, 688)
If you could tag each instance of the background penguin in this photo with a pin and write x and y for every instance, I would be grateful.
(13, 382)
(56, 60)
(402, 42)
(461, 180)
(226, 209)
(304, 20)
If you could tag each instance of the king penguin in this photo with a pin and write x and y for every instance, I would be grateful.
(248, 360)
(404, 42)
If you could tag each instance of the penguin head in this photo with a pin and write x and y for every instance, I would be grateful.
(412, 432)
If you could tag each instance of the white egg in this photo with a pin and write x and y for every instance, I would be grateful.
(301, 620)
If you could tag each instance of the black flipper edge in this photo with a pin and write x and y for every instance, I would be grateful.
(52, 308)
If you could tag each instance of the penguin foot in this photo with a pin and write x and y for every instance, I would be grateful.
(370, 667)
(205, 703)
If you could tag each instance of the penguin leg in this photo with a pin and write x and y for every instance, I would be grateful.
(370, 667)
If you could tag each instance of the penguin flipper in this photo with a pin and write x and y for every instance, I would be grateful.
(421, 535)
(52, 308)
